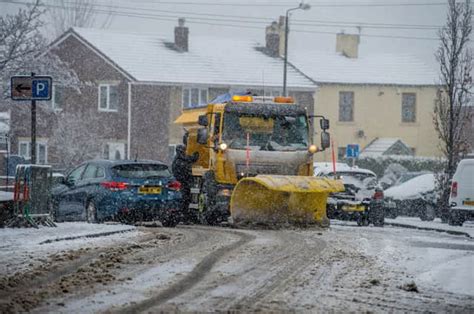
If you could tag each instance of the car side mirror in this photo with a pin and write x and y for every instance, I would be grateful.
(203, 120)
(325, 140)
(202, 136)
(69, 181)
(324, 123)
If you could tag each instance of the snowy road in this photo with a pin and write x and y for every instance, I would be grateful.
(217, 269)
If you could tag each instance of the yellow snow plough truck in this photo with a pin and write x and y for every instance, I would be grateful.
(256, 162)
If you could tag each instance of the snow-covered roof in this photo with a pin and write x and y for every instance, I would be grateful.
(413, 188)
(324, 168)
(385, 69)
(150, 57)
(381, 146)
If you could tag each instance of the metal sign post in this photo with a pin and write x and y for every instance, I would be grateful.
(32, 88)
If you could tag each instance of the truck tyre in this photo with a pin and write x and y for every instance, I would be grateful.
(209, 209)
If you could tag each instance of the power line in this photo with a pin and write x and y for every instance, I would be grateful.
(287, 5)
(260, 20)
(212, 23)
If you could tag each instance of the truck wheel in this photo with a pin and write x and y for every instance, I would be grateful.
(208, 199)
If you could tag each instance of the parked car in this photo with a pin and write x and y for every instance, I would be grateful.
(413, 197)
(461, 199)
(123, 190)
(362, 199)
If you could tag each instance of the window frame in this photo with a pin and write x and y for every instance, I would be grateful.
(352, 106)
(188, 90)
(403, 105)
(28, 151)
(107, 109)
(53, 99)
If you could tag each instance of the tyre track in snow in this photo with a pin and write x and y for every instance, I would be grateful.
(26, 290)
(192, 278)
(251, 273)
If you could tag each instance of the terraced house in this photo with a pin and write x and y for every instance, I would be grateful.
(134, 85)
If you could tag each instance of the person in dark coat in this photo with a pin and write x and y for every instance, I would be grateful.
(182, 171)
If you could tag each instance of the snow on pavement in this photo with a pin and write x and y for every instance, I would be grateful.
(23, 248)
(429, 257)
(468, 226)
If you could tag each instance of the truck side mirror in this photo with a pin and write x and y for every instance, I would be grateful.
(325, 140)
(203, 120)
(202, 136)
(324, 123)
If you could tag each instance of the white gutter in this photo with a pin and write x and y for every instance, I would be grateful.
(129, 122)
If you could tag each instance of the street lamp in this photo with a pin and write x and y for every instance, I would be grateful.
(302, 6)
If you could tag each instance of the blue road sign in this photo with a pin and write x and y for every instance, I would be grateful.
(40, 88)
(31, 87)
(352, 151)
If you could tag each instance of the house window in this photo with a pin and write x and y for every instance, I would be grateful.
(194, 97)
(408, 107)
(341, 152)
(108, 97)
(346, 106)
(57, 99)
(24, 150)
(4, 143)
(113, 151)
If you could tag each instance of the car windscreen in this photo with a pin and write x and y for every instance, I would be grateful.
(141, 171)
(361, 179)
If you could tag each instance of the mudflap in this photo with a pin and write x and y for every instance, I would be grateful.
(270, 199)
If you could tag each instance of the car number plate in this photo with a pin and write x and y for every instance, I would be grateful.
(149, 190)
(353, 208)
(469, 203)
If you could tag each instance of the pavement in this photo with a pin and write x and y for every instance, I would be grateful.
(436, 225)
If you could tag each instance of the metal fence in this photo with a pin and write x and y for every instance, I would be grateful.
(32, 196)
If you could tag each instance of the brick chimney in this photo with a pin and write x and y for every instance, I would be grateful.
(181, 34)
(348, 45)
(275, 38)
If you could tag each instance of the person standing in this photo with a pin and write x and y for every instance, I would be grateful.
(182, 171)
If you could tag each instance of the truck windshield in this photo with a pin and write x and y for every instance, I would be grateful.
(277, 133)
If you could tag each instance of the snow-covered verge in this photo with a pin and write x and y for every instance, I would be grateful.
(24, 248)
(468, 226)
(430, 258)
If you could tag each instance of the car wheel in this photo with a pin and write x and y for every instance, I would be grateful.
(91, 211)
(170, 221)
(53, 211)
(362, 220)
(428, 213)
(454, 219)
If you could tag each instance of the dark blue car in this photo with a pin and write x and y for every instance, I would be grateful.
(124, 190)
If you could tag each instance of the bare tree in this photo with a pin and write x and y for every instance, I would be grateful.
(455, 60)
(65, 14)
(71, 143)
(20, 37)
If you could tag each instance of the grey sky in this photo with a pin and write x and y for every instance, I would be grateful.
(161, 16)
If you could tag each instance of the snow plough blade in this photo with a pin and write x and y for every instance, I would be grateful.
(270, 199)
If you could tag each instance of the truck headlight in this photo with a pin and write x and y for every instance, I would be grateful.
(312, 149)
(222, 146)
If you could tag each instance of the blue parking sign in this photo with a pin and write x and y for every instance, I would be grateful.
(40, 88)
(352, 151)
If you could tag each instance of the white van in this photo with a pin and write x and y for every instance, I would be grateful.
(461, 199)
